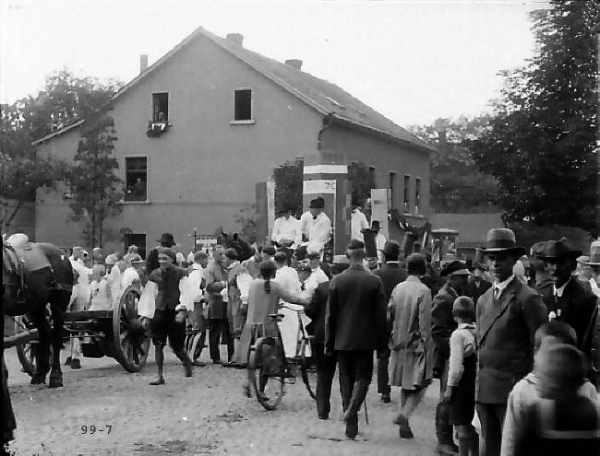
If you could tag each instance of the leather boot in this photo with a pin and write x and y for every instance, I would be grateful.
(443, 431)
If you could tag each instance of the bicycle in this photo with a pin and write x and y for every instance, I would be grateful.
(268, 368)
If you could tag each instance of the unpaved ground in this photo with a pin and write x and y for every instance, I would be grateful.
(204, 415)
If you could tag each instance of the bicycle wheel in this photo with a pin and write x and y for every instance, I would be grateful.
(308, 369)
(266, 372)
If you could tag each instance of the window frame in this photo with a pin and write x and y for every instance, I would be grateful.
(147, 180)
(250, 121)
(418, 195)
(406, 194)
(169, 103)
(392, 188)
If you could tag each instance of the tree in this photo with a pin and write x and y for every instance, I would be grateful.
(97, 190)
(289, 181)
(361, 182)
(66, 99)
(22, 176)
(541, 142)
(457, 185)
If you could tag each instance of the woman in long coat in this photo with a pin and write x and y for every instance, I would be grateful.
(411, 359)
(263, 299)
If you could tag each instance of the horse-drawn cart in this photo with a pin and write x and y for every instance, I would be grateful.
(117, 333)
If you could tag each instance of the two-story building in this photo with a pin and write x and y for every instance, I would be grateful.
(198, 129)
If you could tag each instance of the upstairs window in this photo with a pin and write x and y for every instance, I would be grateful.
(136, 178)
(373, 176)
(160, 107)
(243, 105)
(417, 195)
(406, 194)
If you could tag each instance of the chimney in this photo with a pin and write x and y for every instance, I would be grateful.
(294, 63)
(235, 38)
(143, 62)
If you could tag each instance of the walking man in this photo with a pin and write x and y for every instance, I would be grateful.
(391, 274)
(411, 342)
(355, 326)
(442, 326)
(507, 315)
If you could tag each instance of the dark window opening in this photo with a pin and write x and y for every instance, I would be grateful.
(392, 187)
(137, 239)
(160, 107)
(243, 104)
(417, 195)
(136, 178)
(373, 176)
(406, 194)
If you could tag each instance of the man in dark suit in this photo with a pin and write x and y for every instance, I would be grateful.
(508, 314)
(568, 300)
(355, 326)
(477, 285)
(316, 310)
(442, 326)
(391, 274)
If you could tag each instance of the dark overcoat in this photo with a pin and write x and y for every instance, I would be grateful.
(576, 307)
(356, 312)
(474, 291)
(442, 324)
(506, 329)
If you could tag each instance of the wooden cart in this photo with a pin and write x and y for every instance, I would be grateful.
(117, 333)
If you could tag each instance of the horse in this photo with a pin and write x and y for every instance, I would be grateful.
(31, 279)
(234, 241)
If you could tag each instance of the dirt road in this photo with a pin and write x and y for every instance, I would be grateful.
(204, 415)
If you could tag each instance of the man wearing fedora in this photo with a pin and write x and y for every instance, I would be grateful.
(507, 316)
(590, 266)
(391, 274)
(319, 227)
(442, 325)
(568, 300)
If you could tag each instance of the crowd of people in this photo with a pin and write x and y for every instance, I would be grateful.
(513, 339)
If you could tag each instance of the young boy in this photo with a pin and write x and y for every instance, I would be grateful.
(518, 435)
(167, 321)
(100, 293)
(460, 390)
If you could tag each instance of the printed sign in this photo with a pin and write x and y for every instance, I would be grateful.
(319, 186)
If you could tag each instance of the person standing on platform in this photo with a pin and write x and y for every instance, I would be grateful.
(355, 326)
(287, 232)
(358, 223)
(391, 274)
(320, 229)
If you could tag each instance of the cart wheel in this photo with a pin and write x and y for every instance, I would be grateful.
(27, 352)
(265, 371)
(131, 342)
(193, 347)
(308, 368)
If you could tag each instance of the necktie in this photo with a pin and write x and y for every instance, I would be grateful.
(496, 293)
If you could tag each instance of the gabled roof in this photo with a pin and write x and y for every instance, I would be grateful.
(327, 98)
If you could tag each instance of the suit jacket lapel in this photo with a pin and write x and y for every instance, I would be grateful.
(496, 309)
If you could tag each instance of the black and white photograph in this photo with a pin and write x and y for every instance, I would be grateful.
(300, 227)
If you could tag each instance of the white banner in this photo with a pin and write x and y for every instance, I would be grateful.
(313, 187)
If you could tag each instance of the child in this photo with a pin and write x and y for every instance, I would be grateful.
(460, 392)
(518, 434)
(100, 292)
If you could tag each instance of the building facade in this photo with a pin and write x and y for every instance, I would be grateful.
(202, 126)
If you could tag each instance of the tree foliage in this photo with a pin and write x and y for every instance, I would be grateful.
(361, 182)
(456, 184)
(289, 179)
(541, 142)
(66, 99)
(97, 190)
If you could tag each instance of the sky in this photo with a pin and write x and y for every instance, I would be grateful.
(413, 61)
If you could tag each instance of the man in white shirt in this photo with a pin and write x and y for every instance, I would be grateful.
(306, 221)
(317, 275)
(380, 240)
(358, 223)
(287, 231)
(320, 230)
(80, 296)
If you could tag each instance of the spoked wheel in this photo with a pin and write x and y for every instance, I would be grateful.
(27, 349)
(266, 366)
(131, 341)
(192, 345)
(308, 368)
